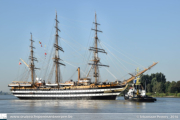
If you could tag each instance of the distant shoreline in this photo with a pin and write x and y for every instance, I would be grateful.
(167, 95)
(5, 93)
(162, 95)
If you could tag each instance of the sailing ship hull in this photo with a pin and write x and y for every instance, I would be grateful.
(71, 98)
(87, 94)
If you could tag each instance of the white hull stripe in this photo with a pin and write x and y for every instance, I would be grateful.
(65, 91)
(80, 95)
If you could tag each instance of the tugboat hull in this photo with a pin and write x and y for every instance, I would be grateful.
(141, 99)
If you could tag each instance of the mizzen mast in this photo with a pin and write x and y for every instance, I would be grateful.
(32, 58)
(57, 58)
(96, 60)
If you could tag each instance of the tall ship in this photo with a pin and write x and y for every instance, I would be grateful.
(83, 88)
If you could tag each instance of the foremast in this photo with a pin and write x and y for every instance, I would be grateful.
(96, 60)
(57, 57)
(32, 58)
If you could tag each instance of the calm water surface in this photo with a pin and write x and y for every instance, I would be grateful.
(11, 104)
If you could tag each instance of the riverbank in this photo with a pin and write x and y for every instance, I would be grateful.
(168, 95)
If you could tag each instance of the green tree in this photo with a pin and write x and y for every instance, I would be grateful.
(144, 79)
(152, 80)
(159, 87)
(149, 88)
(172, 87)
(160, 77)
(153, 84)
(178, 86)
(167, 84)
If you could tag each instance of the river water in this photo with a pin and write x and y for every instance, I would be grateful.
(11, 104)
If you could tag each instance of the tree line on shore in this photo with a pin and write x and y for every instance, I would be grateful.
(156, 83)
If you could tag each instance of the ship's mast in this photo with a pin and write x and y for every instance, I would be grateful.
(32, 58)
(57, 58)
(96, 60)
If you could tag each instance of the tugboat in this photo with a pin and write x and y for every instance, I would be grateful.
(137, 93)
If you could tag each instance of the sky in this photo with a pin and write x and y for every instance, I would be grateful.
(135, 34)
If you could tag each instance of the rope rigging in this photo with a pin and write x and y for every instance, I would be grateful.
(124, 55)
(77, 47)
(75, 67)
(118, 60)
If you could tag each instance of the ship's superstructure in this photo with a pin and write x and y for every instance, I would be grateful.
(84, 88)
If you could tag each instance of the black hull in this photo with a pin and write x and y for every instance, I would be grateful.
(71, 98)
(141, 99)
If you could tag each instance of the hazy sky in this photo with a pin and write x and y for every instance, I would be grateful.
(133, 30)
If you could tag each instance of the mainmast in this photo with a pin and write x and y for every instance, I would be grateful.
(96, 60)
(57, 58)
(32, 58)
